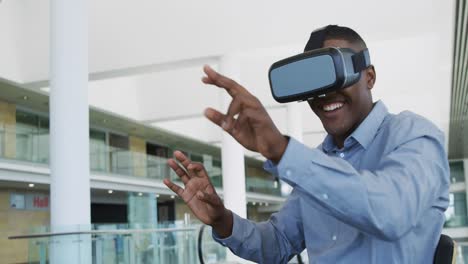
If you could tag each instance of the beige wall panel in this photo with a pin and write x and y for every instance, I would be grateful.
(16, 222)
(138, 148)
(8, 125)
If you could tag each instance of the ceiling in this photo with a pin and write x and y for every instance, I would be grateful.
(145, 57)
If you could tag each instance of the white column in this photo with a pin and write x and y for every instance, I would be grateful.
(69, 128)
(232, 152)
(233, 164)
(294, 121)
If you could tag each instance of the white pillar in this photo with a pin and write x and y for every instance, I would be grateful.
(294, 119)
(232, 152)
(233, 164)
(69, 128)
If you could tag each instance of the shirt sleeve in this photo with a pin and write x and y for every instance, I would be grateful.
(386, 202)
(274, 241)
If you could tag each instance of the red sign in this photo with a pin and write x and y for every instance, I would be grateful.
(41, 202)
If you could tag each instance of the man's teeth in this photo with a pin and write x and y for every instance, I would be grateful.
(331, 107)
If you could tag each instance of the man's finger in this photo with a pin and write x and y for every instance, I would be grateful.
(215, 116)
(184, 160)
(174, 187)
(239, 124)
(178, 170)
(221, 81)
(198, 169)
(234, 109)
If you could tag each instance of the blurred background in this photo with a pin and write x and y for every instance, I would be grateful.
(146, 100)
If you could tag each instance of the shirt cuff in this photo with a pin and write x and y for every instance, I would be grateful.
(239, 225)
(291, 159)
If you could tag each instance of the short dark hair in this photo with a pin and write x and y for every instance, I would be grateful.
(319, 36)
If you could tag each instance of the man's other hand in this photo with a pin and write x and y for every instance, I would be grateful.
(199, 194)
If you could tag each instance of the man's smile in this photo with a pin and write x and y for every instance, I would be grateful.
(332, 106)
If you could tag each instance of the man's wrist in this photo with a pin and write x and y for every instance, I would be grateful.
(223, 226)
(276, 157)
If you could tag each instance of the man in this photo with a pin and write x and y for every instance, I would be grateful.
(374, 191)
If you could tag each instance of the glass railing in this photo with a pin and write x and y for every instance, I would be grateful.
(25, 145)
(456, 221)
(169, 243)
(462, 252)
(157, 168)
(34, 147)
(261, 185)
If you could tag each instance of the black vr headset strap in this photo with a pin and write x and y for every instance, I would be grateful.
(361, 60)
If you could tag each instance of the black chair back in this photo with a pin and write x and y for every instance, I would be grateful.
(445, 251)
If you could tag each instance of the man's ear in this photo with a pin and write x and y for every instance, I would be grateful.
(371, 76)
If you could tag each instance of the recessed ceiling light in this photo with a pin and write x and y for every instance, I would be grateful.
(140, 194)
(31, 185)
(253, 203)
(110, 191)
(157, 195)
(172, 196)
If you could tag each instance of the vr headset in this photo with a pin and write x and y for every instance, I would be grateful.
(316, 72)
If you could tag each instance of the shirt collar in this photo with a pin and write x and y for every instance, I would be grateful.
(366, 131)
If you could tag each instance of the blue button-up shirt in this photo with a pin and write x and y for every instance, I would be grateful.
(379, 199)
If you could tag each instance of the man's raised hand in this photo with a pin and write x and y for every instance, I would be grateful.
(246, 119)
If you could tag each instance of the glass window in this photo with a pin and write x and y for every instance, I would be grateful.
(157, 161)
(98, 150)
(462, 256)
(455, 214)
(196, 158)
(157, 150)
(120, 156)
(32, 137)
(457, 172)
(216, 173)
(43, 136)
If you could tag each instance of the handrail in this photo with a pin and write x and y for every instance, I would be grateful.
(200, 248)
(99, 232)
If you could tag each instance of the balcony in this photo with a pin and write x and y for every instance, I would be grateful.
(32, 145)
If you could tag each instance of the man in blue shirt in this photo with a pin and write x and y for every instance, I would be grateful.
(374, 191)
